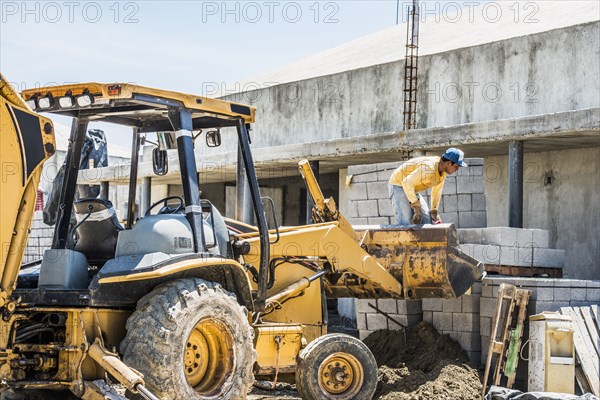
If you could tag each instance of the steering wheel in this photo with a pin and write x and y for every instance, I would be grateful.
(166, 209)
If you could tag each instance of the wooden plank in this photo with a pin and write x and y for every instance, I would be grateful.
(591, 326)
(509, 270)
(582, 380)
(585, 352)
(595, 315)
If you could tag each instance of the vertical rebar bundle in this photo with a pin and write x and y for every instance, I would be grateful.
(411, 63)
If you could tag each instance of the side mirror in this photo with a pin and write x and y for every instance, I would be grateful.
(160, 161)
(166, 140)
(213, 138)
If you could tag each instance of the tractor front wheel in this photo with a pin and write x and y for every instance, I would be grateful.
(191, 340)
(336, 367)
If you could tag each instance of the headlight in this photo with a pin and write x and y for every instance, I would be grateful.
(66, 102)
(45, 102)
(85, 100)
(32, 103)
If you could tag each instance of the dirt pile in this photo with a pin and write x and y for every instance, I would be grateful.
(422, 364)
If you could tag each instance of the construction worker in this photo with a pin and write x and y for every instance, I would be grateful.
(417, 175)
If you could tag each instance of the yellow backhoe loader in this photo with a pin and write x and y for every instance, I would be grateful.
(184, 304)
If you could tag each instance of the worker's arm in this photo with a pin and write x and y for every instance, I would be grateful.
(436, 195)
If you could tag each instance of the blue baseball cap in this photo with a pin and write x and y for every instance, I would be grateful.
(456, 156)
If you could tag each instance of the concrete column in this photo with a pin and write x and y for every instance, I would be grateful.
(515, 184)
(243, 202)
(146, 195)
(309, 219)
(104, 190)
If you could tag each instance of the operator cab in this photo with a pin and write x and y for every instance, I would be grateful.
(173, 229)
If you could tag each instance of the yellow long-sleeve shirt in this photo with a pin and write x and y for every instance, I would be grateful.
(420, 174)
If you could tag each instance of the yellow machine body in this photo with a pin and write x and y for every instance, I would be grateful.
(27, 141)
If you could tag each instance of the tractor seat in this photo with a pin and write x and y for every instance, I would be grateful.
(97, 230)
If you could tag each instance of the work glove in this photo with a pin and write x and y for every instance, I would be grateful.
(417, 217)
(435, 217)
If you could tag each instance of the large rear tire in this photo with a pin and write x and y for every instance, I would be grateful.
(336, 367)
(192, 341)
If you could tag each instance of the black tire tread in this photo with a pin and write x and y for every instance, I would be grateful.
(153, 334)
(307, 373)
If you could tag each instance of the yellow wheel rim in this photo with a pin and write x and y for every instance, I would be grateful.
(340, 376)
(208, 356)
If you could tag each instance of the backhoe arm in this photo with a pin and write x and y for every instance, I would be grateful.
(324, 210)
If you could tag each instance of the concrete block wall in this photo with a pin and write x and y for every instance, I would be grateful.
(40, 238)
(459, 319)
(463, 198)
(511, 247)
(368, 320)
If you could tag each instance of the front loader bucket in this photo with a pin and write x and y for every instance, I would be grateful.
(425, 259)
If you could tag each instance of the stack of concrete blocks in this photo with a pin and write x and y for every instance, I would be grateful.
(511, 247)
(463, 199)
(459, 319)
(40, 238)
(369, 320)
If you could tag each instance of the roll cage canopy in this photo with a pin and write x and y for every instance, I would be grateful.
(137, 106)
(152, 110)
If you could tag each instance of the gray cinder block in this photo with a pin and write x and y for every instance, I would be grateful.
(470, 304)
(358, 221)
(357, 191)
(410, 306)
(470, 235)
(379, 220)
(378, 190)
(478, 202)
(449, 187)
(541, 238)
(550, 258)
(442, 321)
(541, 306)
(361, 169)
(376, 322)
(473, 219)
(487, 307)
(469, 184)
(362, 305)
(387, 306)
(385, 208)
(368, 208)
(388, 165)
(432, 305)
(450, 203)
(464, 202)
(365, 177)
(361, 321)
(428, 316)
(463, 322)
(451, 305)
(486, 253)
(515, 256)
(450, 217)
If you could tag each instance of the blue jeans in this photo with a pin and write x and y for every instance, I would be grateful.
(402, 208)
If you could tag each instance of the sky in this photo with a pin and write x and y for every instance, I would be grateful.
(187, 46)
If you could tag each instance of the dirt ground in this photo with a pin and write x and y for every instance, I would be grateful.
(422, 365)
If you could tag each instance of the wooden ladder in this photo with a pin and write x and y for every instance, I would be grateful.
(506, 343)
